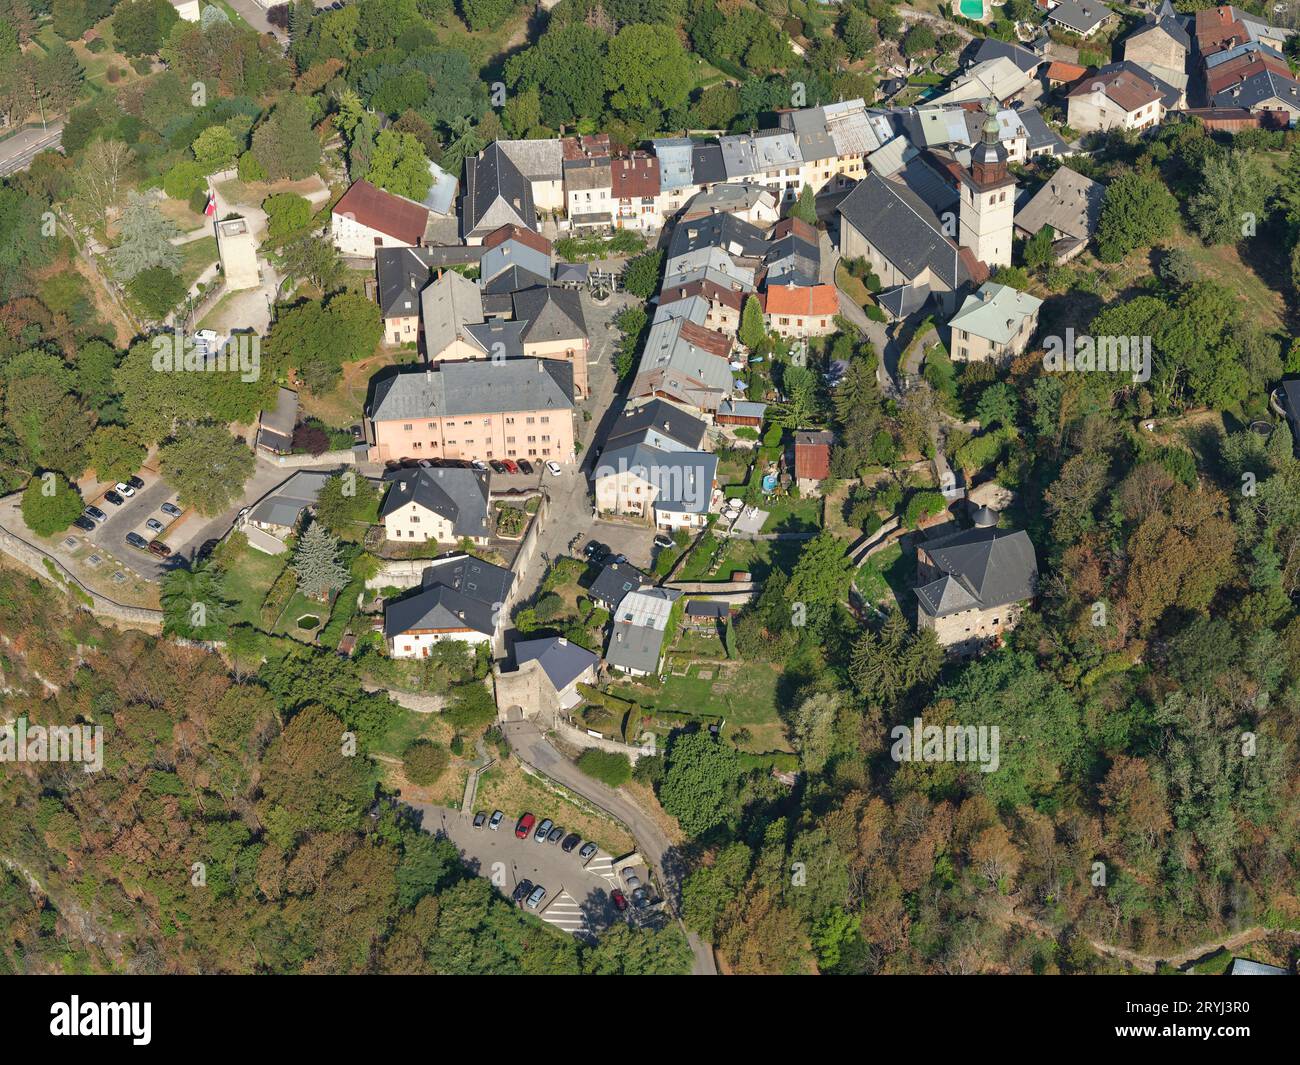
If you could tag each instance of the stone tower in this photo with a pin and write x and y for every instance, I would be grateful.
(988, 196)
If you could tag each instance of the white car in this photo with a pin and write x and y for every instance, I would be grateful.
(479, 465)
(122, 488)
(554, 467)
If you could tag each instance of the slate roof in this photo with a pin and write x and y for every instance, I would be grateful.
(902, 301)
(496, 193)
(683, 479)
(1040, 136)
(499, 338)
(727, 232)
(1258, 89)
(707, 608)
(614, 581)
(707, 166)
(460, 592)
(903, 229)
(275, 427)
(510, 253)
(562, 662)
(475, 386)
(659, 424)
(1165, 23)
(401, 273)
(283, 504)
(506, 283)
(983, 568)
(446, 307)
(729, 197)
(1081, 16)
(457, 494)
(552, 314)
(537, 160)
(991, 48)
(1068, 202)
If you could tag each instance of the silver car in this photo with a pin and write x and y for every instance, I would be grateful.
(535, 899)
(543, 830)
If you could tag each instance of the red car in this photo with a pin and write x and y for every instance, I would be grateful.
(511, 465)
(620, 900)
(524, 826)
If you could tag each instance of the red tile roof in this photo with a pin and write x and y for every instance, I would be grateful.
(812, 455)
(635, 176)
(524, 236)
(383, 212)
(799, 299)
(715, 343)
(1065, 72)
(709, 290)
(1125, 88)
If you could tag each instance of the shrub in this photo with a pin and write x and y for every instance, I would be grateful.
(609, 767)
(424, 762)
(471, 706)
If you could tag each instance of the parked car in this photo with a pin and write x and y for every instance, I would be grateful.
(83, 523)
(114, 498)
(522, 890)
(479, 465)
(498, 466)
(95, 513)
(511, 465)
(122, 488)
(554, 467)
(535, 899)
(497, 818)
(619, 899)
(555, 835)
(137, 541)
(157, 547)
(663, 542)
(480, 819)
(596, 551)
(631, 879)
(588, 849)
(135, 482)
(543, 830)
(525, 466)
(170, 509)
(641, 898)
(154, 525)
(570, 841)
(524, 826)
(426, 464)
(206, 549)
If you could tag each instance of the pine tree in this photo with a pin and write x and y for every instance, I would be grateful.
(316, 561)
(752, 330)
(146, 240)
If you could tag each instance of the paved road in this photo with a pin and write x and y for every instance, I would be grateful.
(18, 151)
(886, 347)
(533, 748)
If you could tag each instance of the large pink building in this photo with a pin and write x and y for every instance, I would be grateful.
(511, 409)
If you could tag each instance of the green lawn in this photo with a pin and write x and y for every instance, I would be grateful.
(744, 693)
(249, 576)
(887, 576)
(791, 514)
(196, 257)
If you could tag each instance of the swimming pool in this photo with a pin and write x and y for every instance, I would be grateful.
(971, 8)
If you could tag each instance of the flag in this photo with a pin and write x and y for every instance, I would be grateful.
(211, 208)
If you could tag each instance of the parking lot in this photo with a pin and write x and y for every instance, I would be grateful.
(110, 536)
(578, 899)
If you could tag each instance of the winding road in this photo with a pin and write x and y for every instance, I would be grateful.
(534, 750)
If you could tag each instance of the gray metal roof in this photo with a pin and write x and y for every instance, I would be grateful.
(457, 592)
(725, 231)
(562, 662)
(513, 253)
(441, 198)
(1258, 89)
(500, 339)
(283, 504)
(1082, 16)
(454, 493)
(1068, 202)
(674, 154)
(537, 160)
(683, 480)
(991, 48)
(480, 386)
